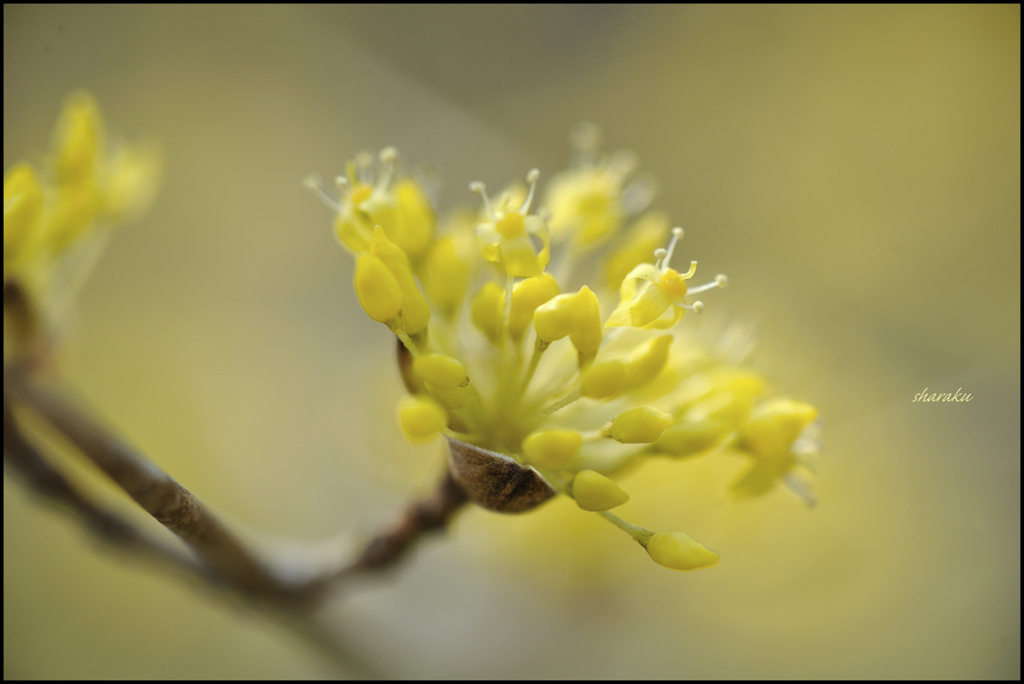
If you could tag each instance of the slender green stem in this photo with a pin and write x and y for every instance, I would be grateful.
(509, 283)
(406, 340)
(538, 350)
(640, 534)
(563, 402)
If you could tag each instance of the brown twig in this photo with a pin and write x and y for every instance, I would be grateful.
(426, 515)
(170, 503)
(290, 591)
(227, 557)
(23, 457)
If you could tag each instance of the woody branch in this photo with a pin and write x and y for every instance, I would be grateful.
(221, 557)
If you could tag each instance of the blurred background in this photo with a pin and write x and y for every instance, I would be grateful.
(855, 171)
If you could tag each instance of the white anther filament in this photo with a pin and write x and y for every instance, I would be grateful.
(481, 189)
(531, 178)
(316, 183)
(719, 281)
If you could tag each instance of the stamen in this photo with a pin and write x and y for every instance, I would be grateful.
(387, 167)
(363, 167)
(696, 307)
(677, 235)
(539, 348)
(719, 281)
(316, 183)
(531, 178)
(562, 403)
(481, 189)
(659, 256)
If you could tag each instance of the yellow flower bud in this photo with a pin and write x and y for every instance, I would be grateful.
(445, 378)
(595, 492)
(775, 424)
(678, 551)
(527, 295)
(640, 425)
(604, 380)
(446, 275)
(23, 208)
(415, 312)
(441, 370)
(421, 418)
(377, 289)
(645, 364)
(353, 230)
(415, 225)
(551, 448)
(693, 437)
(576, 315)
(488, 311)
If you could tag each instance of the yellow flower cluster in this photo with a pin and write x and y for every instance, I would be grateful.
(55, 219)
(541, 383)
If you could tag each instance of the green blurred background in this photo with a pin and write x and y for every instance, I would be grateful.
(855, 171)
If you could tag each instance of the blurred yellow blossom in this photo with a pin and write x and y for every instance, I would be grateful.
(55, 219)
(781, 437)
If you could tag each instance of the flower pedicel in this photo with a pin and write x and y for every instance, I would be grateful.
(546, 380)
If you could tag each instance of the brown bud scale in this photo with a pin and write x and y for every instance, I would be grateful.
(495, 481)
